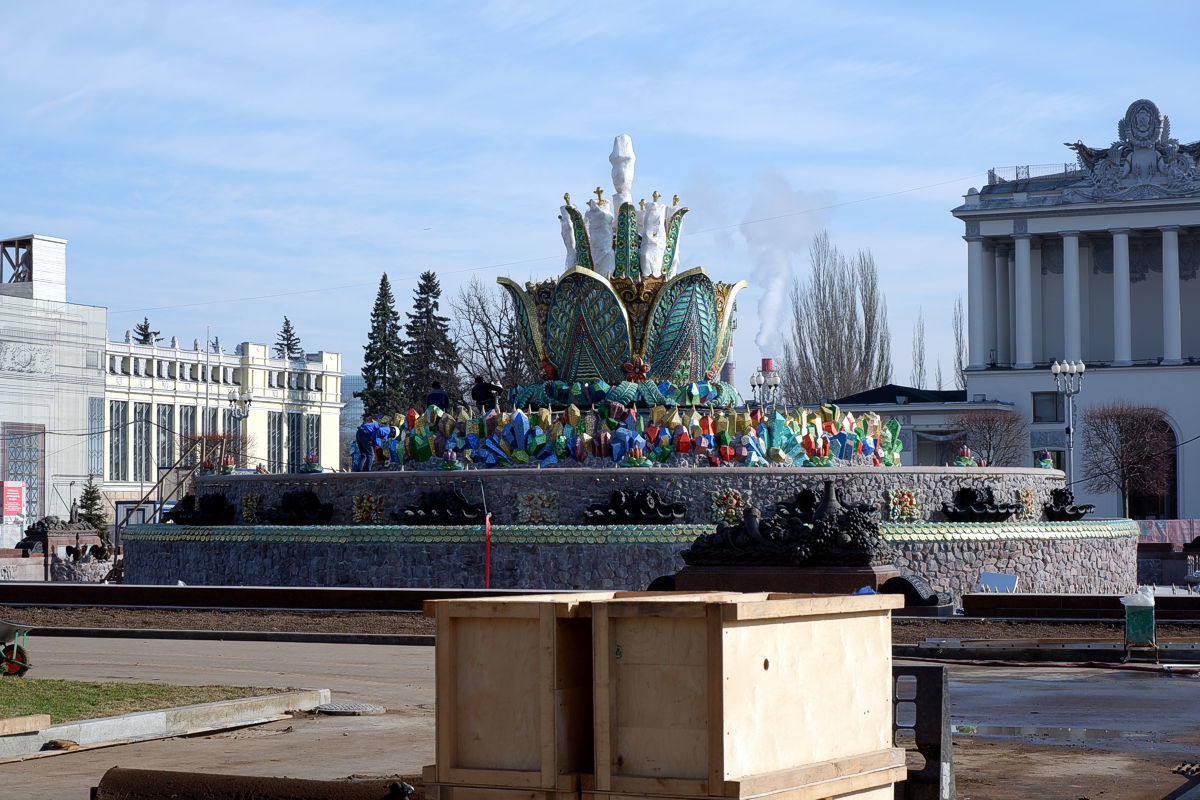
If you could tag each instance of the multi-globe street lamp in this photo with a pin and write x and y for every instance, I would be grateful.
(1068, 380)
(765, 384)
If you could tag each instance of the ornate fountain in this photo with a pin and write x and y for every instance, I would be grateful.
(623, 323)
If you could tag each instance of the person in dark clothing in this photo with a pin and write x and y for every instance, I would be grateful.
(484, 395)
(437, 397)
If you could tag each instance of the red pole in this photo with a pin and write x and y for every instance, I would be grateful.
(487, 551)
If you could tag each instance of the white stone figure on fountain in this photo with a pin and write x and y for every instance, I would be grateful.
(599, 222)
(568, 231)
(622, 160)
(654, 237)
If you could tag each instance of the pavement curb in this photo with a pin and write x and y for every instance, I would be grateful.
(238, 636)
(161, 724)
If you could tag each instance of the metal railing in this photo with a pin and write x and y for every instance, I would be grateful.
(1021, 173)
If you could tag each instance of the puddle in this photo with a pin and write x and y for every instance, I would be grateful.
(1043, 732)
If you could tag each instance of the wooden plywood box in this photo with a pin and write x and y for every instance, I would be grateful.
(514, 691)
(743, 695)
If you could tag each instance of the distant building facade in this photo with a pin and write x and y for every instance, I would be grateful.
(51, 377)
(926, 416)
(159, 399)
(73, 404)
(1097, 262)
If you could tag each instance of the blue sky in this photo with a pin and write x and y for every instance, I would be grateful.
(197, 155)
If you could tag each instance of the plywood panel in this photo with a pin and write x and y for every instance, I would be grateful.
(497, 694)
(805, 690)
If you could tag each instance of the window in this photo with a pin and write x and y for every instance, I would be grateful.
(210, 421)
(141, 442)
(187, 432)
(233, 436)
(25, 460)
(166, 436)
(95, 440)
(118, 440)
(1048, 407)
(295, 441)
(275, 441)
(312, 435)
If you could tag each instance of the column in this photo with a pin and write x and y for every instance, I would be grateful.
(976, 296)
(988, 290)
(1071, 338)
(1122, 325)
(1024, 302)
(1085, 296)
(1170, 310)
(1035, 291)
(1003, 353)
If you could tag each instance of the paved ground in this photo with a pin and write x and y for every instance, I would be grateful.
(1150, 720)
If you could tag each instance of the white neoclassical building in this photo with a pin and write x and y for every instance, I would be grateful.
(1093, 261)
(159, 398)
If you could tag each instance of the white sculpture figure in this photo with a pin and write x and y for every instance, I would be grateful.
(599, 223)
(568, 231)
(622, 160)
(654, 237)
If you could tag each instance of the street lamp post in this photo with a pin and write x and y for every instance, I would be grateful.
(765, 384)
(1068, 380)
(239, 407)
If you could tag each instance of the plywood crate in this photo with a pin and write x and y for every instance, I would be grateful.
(758, 694)
(514, 692)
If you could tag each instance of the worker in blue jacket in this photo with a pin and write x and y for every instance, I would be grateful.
(371, 434)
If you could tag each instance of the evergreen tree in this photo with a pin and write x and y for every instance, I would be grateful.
(382, 370)
(429, 353)
(287, 344)
(91, 505)
(142, 333)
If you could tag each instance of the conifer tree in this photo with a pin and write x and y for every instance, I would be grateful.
(429, 352)
(382, 370)
(142, 333)
(287, 343)
(91, 506)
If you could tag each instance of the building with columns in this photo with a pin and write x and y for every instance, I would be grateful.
(1093, 261)
(158, 398)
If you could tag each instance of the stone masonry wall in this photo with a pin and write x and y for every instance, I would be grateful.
(518, 566)
(1070, 562)
(1086, 565)
(576, 488)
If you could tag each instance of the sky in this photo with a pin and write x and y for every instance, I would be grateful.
(221, 165)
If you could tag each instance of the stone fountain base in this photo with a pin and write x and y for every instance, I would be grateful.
(802, 580)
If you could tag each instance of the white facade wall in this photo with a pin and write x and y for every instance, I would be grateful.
(303, 393)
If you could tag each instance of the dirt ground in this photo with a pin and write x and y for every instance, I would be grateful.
(904, 631)
(986, 768)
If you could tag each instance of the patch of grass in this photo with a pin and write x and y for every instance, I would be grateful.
(67, 701)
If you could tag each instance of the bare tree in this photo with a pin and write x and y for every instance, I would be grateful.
(958, 323)
(1000, 438)
(1126, 449)
(916, 377)
(837, 342)
(488, 336)
(938, 381)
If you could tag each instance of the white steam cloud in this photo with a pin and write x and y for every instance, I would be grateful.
(778, 229)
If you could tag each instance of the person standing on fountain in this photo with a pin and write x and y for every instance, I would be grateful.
(371, 434)
(437, 397)
(484, 395)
